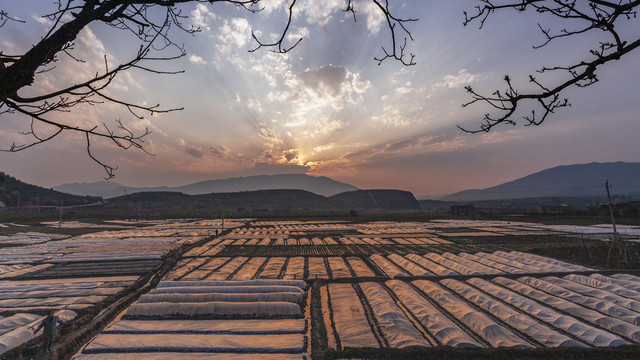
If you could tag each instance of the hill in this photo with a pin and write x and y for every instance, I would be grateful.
(579, 180)
(320, 185)
(15, 193)
(260, 201)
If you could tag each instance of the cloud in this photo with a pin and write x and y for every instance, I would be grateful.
(196, 59)
(190, 149)
(458, 80)
(202, 16)
(218, 151)
(326, 81)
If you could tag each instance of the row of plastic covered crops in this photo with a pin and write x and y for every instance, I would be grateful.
(257, 319)
(281, 241)
(24, 301)
(393, 266)
(569, 311)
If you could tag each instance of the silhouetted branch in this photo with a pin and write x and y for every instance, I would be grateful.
(585, 16)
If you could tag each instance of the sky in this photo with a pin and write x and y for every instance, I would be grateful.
(327, 108)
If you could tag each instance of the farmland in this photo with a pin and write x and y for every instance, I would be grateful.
(322, 289)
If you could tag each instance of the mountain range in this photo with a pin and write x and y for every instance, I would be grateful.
(320, 185)
(579, 180)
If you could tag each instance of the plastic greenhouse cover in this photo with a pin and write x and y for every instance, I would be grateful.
(494, 264)
(227, 289)
(480, 323)
(227, 269)
(25, 270)
(573, 326)
(257, 282)
(544, 266)
(387, 266)
(394, 324)
(15, 321)
(196, 342)
(295, 297)
(627, 277)
(472, 264)
(188, 356)
(360, 267)
(276, 326)
(272, 269)
(462, 269)
(431, 266)
(349, 318)
(603, 306)
(59, 293)
(613, 279)
(524, 323)
(445, 331)
(612, 324)
(410, 266)
(338, 267)
(610, 287)
(214, 308)
(317, 269)
(249, 269)
(53, 301)
(18, 336)
(516, 264)
(295, 268)
(573, 267)
(598, 293)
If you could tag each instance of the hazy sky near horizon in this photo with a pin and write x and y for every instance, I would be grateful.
(327, 107)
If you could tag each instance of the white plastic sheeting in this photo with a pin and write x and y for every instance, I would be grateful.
(602, 285)
(213, 308)
(387, 266)
(512, 263)
(614, 279)
(457, 267)
(431, 266)
(50, 301)
(597, 293)
(15, 321)
(360, 267)
(472, 264)
(249, 269)
(526, 259)
(481, 324)
(614, 325)
(573, 326)
(277, 326)
(394, 324)
(603, 306)
(197, 342)
(227, 269)
(317, 269)
(188, 356)
(257, 282)
(413, 268)
(59, 292)
(338, 267)
(295, 268)
(227, 289)
(573, 267)
(494, 264)
(24, 333)
(294, 297)
(273, 268)
(349, 318)
(445, 331)
(521, 322)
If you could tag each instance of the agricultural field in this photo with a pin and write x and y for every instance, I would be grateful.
(325, 289)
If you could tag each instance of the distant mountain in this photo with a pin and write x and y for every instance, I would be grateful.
(159, 204)
(320, 185)
(580, 180)
(16, 193)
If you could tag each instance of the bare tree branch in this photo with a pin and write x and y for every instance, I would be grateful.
(593, 15)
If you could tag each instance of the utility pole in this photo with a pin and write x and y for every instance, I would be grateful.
(60, 220)
(613, 220)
